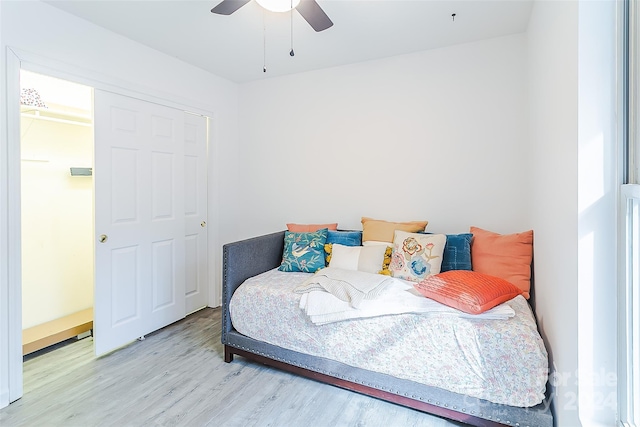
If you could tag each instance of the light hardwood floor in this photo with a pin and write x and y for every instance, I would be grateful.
(176, 377)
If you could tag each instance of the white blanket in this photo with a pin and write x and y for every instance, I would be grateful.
(396, 298)
(352, 287)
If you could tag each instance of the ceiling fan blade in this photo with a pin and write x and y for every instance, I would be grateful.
(314, 15)
(227, 7)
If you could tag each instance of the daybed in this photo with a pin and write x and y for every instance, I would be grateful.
(258, 256)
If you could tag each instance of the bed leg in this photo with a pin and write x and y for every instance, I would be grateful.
(228, 355)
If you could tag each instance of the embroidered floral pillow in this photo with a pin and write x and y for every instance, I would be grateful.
(303, 251)
(416, 256)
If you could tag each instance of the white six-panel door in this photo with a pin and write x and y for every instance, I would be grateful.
(140, 225)
(195, 210)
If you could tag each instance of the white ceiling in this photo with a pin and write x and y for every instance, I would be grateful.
(233, 46)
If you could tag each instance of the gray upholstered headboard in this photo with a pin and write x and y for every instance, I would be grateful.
(245, 259)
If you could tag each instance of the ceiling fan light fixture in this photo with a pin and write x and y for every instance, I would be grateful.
(278, 5)
(310, 10)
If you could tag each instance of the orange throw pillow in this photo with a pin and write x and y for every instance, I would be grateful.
(468, 291)
(507, 256)
(310, 228)
(383, 231)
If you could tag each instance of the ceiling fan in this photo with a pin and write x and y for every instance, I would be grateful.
(309, 9)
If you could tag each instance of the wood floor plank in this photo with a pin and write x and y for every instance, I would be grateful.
(177, 377)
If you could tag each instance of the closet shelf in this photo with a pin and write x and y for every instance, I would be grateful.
(55, 115)
(55, 331)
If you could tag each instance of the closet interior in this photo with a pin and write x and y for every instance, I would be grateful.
(56, 144)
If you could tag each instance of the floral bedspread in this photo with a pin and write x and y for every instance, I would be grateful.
(502, 361)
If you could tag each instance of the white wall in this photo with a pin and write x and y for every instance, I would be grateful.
(5, 337)
(57, 220)
(572, 105)
(573, 141)
(438, 135)
(598, 183)
(553, 123)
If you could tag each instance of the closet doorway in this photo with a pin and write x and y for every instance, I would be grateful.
(113, 214)
(56, 146)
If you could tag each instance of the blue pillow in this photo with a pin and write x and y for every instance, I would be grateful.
(457, 252)
(345, 238)
(303, 251)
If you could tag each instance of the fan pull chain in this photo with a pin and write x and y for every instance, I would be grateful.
(292, 53)
(264, 44)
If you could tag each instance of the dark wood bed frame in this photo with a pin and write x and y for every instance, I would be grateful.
(263, 253)
(363, 389)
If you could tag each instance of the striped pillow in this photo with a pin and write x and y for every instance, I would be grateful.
(468, 291)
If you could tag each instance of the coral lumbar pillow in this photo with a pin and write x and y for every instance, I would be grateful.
(310, 228)
(416, 256)
(507, 256)
(468, 291)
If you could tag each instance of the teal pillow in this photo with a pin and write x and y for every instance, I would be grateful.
(457, 252)
(303, 251)
(346, 238)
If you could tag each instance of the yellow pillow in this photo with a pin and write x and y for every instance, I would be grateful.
(386, 262)
(328, 248)
(383, 231)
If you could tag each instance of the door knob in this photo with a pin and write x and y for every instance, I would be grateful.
(203, 224)
(103, 238)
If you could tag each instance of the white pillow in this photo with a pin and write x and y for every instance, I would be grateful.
(416, 256)
(360, 258)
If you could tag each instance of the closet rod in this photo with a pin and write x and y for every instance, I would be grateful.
(54, 119)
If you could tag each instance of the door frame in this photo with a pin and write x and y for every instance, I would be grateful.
(11, 382)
